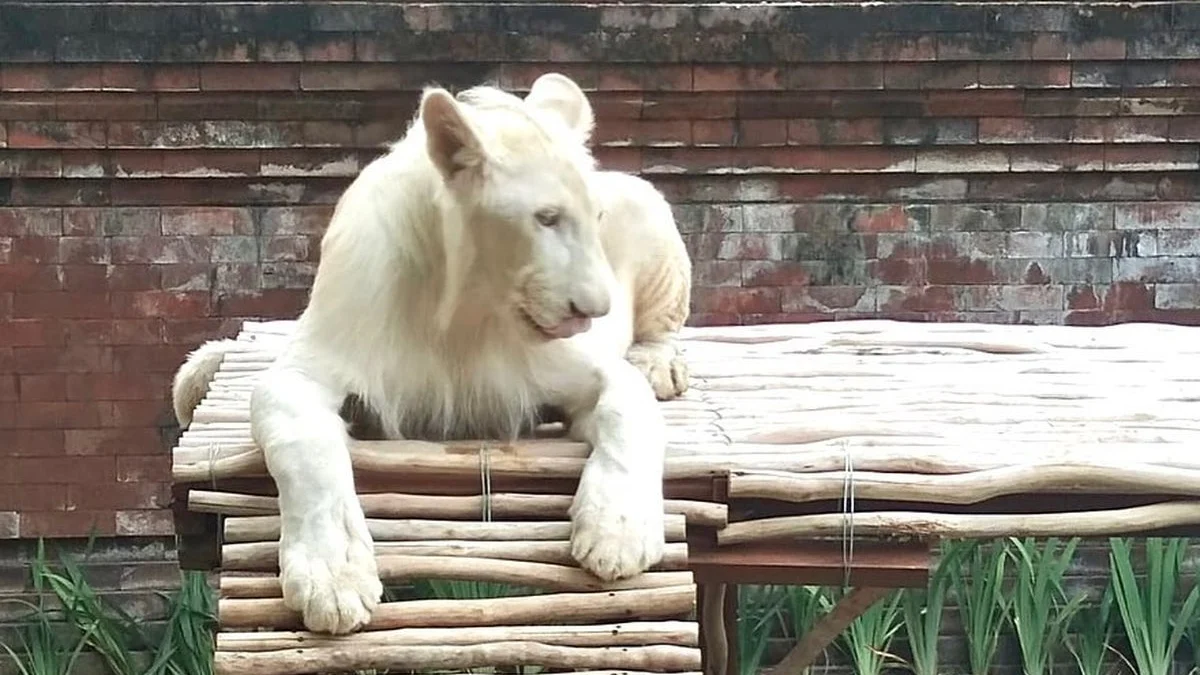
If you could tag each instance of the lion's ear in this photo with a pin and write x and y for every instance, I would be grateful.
(557, 93)
(451, 142)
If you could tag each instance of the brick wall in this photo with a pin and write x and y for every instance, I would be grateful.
(932, 160)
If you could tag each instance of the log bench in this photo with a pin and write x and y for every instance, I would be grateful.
(829, 454)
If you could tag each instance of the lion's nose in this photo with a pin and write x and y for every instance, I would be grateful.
(590, 308)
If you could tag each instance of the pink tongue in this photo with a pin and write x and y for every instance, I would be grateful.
(569, 327)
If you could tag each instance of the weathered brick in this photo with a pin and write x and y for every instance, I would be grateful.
(960, 160)
(1177, 296)
(48, 134)
(1157, 270)
(1110, 244)
(211, 221)
(1166, 216)
(976, 217)
(1178, 242)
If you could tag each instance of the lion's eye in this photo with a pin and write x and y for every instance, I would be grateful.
(547, 217)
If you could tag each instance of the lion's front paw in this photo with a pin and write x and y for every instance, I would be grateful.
(329, 575)
(663, 365)
(616, 533)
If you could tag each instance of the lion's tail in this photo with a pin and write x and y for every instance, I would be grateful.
(193, 377)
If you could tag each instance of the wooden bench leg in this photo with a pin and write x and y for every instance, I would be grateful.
(812, 643)
(717, 605)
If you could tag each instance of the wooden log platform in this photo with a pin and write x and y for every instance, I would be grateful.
(827, 453)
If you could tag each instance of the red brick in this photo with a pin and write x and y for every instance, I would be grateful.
(33, 250)
(25, 277)
(111, 442)
(31, 332)
(125, 414)
(207, 221)
(734, 78)
(1125, 295)
(671, 105)
(61, 304)
(144, 469)
(1083, 298)
(1032, 75)
(960, 271)
(52, 78)
(104, 106)
(140, 163)
(833, 76)
(34, 497)
(126, 386)
(250, 77)
(136, 331)
(928, 298)
(975, 103)
(144, 523)
(762, 132)
(714, 319)
(160, 250)
(195, 331)
(67, 523)
(774, 273)
(120, 496)
(57, 415)
(1024, 130)
(8, 389)
(84, 277)
(43, 387)
(38, 222)
(134, 277)
(166, 304)
(210, 163)
(154, 135)
(1151, 158)
(861, 159)
(162, 77)
(47, 134)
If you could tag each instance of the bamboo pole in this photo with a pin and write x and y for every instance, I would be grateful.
(967, 526)
(264, 556)
(543, 576)
(967, 488)
(242, 529)
(635, 633)
(566, 608)
(396, 505)
(298, 661)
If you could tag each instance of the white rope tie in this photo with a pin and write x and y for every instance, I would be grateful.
(847, 516)
(485, 479)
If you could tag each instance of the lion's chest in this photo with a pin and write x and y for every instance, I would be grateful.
(434, 398)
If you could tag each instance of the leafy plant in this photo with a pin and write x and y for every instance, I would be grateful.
(453, 589)
(978, 586)
(1152, 624)
(759, 613)
(1040, 611)
(190, 628)
(43, 652)
(1093, 629)
(923, 609)
(870, 636)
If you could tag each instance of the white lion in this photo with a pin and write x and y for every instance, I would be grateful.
(481, 270)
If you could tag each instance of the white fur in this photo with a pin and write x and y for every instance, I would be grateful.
(438, 262)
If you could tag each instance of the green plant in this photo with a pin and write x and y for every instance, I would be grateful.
(923, 609)
(802, 606)
(1152, 624)
(112, 633)
(190, 628)
(978, 586)
(1040, 610)
(869, 637)
(1092, 634)
(42, 651)
(453, 589)
(759, 612)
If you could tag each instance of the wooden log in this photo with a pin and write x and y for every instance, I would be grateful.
(263, 556)
(1130, 520)
(543, 576)
(567, 608)
(635, 633)
(266, 528)
(967, 488)
(818, 452)
(394, 505)
(342, 659)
